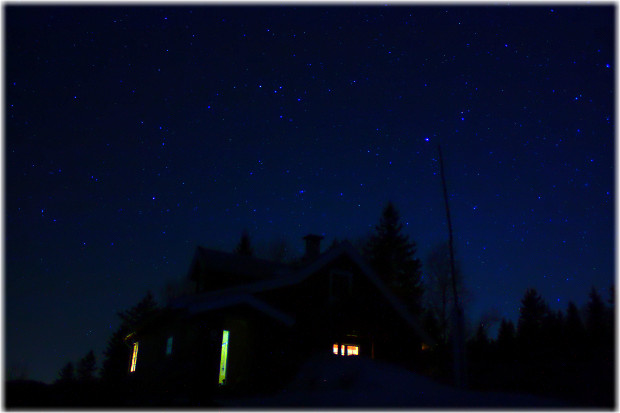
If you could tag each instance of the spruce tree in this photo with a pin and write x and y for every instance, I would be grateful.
(595, 320)
(532, 315)
(244, 247)
(479, 344)
(391, 255)
(67, 374)
(86, 368)
(575, 334)
(506, 340)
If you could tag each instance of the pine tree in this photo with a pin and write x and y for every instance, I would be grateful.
(139, 313)
(86, 368)
(67, 374)
(574, 333)
(552, 336)
(595, 320)
(574, 325)
(506, 341)
(244, 247)
(532, 314)
(116, 357)
(506, 334)
(391, 255)
(479, 344)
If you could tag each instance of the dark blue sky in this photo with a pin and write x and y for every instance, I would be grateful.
(134, 134)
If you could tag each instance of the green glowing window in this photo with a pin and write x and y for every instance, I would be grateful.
(134, 357)
(223, 358)
(169, 346)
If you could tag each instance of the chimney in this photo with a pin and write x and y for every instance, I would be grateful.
(313, 246)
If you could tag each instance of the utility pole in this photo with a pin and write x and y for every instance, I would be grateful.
(458, 336)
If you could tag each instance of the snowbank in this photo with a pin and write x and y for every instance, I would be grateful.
(332, 381)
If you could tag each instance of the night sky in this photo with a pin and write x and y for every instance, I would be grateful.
(134, 134)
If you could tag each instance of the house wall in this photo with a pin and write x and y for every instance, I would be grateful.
(324, 318)
(264, 353)
(256, 354)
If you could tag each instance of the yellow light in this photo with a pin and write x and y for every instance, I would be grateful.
(336, 349)
(342, 350)
(223, 358)
(425, 346)
(352, 351)
(134, 357)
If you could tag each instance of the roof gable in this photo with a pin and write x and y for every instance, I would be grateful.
(280, 276)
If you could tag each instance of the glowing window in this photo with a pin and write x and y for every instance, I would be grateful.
(352, 351)
(169, 346)
(134, 357)
(348, 349)
(223, 358)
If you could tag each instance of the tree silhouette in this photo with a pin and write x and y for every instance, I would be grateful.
(86, 367)
(391, 255)
(244, 247)
(599, 326)
(67, 374)
(595, 314)
(552, 335)
(506, 338)
(574, 333)
(438, 293)
(532, 314)
(479, 345)
(552, 353)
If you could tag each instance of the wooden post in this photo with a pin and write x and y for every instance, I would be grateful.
(458, 336)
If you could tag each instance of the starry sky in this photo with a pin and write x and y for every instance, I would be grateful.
(134, 134)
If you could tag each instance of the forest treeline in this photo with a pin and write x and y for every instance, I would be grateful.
(565, 354)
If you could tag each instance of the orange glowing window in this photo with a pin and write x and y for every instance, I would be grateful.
(353, 351)
(346, 349)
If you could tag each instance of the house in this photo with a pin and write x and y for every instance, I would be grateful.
(250, 323)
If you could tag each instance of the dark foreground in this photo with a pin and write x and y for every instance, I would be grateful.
(323, 382)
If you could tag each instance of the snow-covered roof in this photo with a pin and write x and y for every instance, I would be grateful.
(201, 305)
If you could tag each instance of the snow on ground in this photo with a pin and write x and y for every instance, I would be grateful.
(332, 381)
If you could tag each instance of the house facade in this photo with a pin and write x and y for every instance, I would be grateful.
(251, 323)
